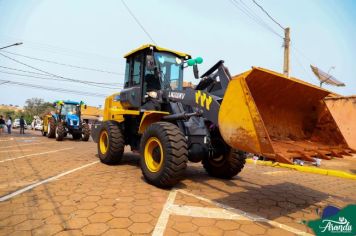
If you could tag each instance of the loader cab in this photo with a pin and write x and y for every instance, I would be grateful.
(151, 69)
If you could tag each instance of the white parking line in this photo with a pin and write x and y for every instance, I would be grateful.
(18, 150)
(34, 154)
(10, 139)
(205, 212)
(13, 194)
(222, 212)
(23, 144)
(247, 215)
(163, 218)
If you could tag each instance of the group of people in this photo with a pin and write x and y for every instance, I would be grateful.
(8, 124)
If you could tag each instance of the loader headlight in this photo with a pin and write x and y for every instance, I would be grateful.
(152, 94)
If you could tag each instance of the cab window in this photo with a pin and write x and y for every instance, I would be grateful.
(127, 75)
(136, 72)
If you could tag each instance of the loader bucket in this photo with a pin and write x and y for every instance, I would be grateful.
(343, 110)
(280, 118)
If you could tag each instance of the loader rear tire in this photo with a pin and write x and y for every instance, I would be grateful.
(164, 154)
(60, 132)
(51, 130)
(111, 143)
(226, 166)
(85, 132)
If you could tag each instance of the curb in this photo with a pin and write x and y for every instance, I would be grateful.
(314, 170)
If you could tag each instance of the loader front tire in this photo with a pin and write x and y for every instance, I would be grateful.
(164, 154)
(111, 143)
(60, 132)
(51, 128)
(226, 165)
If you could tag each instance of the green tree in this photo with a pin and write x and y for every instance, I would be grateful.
(36, 107)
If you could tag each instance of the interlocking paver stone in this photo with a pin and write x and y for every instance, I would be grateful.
(120, 223)
(76, 223)
(95, 229)
(115, 200)
(100, 217)
(141, 228)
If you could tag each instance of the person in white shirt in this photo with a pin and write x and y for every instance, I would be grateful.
(9, 124)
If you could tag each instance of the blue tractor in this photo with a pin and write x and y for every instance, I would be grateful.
(66, 120)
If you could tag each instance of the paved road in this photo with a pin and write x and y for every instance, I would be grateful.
(60, 188)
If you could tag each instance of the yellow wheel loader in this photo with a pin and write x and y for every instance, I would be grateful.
(216, 122)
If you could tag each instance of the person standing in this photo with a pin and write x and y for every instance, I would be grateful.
(22, 125)
(9, 124)
(2, 124)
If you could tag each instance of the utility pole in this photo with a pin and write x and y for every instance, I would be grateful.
(286, 51)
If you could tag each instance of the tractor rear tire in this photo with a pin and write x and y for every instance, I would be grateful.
(85, 132)
(51, 130)
(60, 132)
(111, 143)
(226, 166)
(164, 154)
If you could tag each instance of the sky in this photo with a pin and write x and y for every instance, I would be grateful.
(96, 34)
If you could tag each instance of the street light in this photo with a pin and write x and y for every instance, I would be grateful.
(15, 44)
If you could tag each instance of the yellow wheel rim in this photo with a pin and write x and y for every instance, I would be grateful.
(153, 154)
(104, 142)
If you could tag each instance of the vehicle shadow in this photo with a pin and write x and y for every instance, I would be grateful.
(128, 158)
(265, 200)
(270, 201)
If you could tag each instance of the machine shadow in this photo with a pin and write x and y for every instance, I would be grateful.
(269, 201)
(132, 159)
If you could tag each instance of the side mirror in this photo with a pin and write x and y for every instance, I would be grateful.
(150, 62)
(196, 61)
(196, 71)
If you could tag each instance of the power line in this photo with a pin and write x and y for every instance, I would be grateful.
(52, 89)
(63, 64)
(300, 64)
(49, 78)
(97, 84)
(35, 73)
(138, 22)
(57, 49)
(268, 14)
(254, 17)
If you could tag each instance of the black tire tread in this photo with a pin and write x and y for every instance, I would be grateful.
(233, 164)
(52, 123)
(60, 130)
(176, 154)
(86, 132)
(116, 143)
